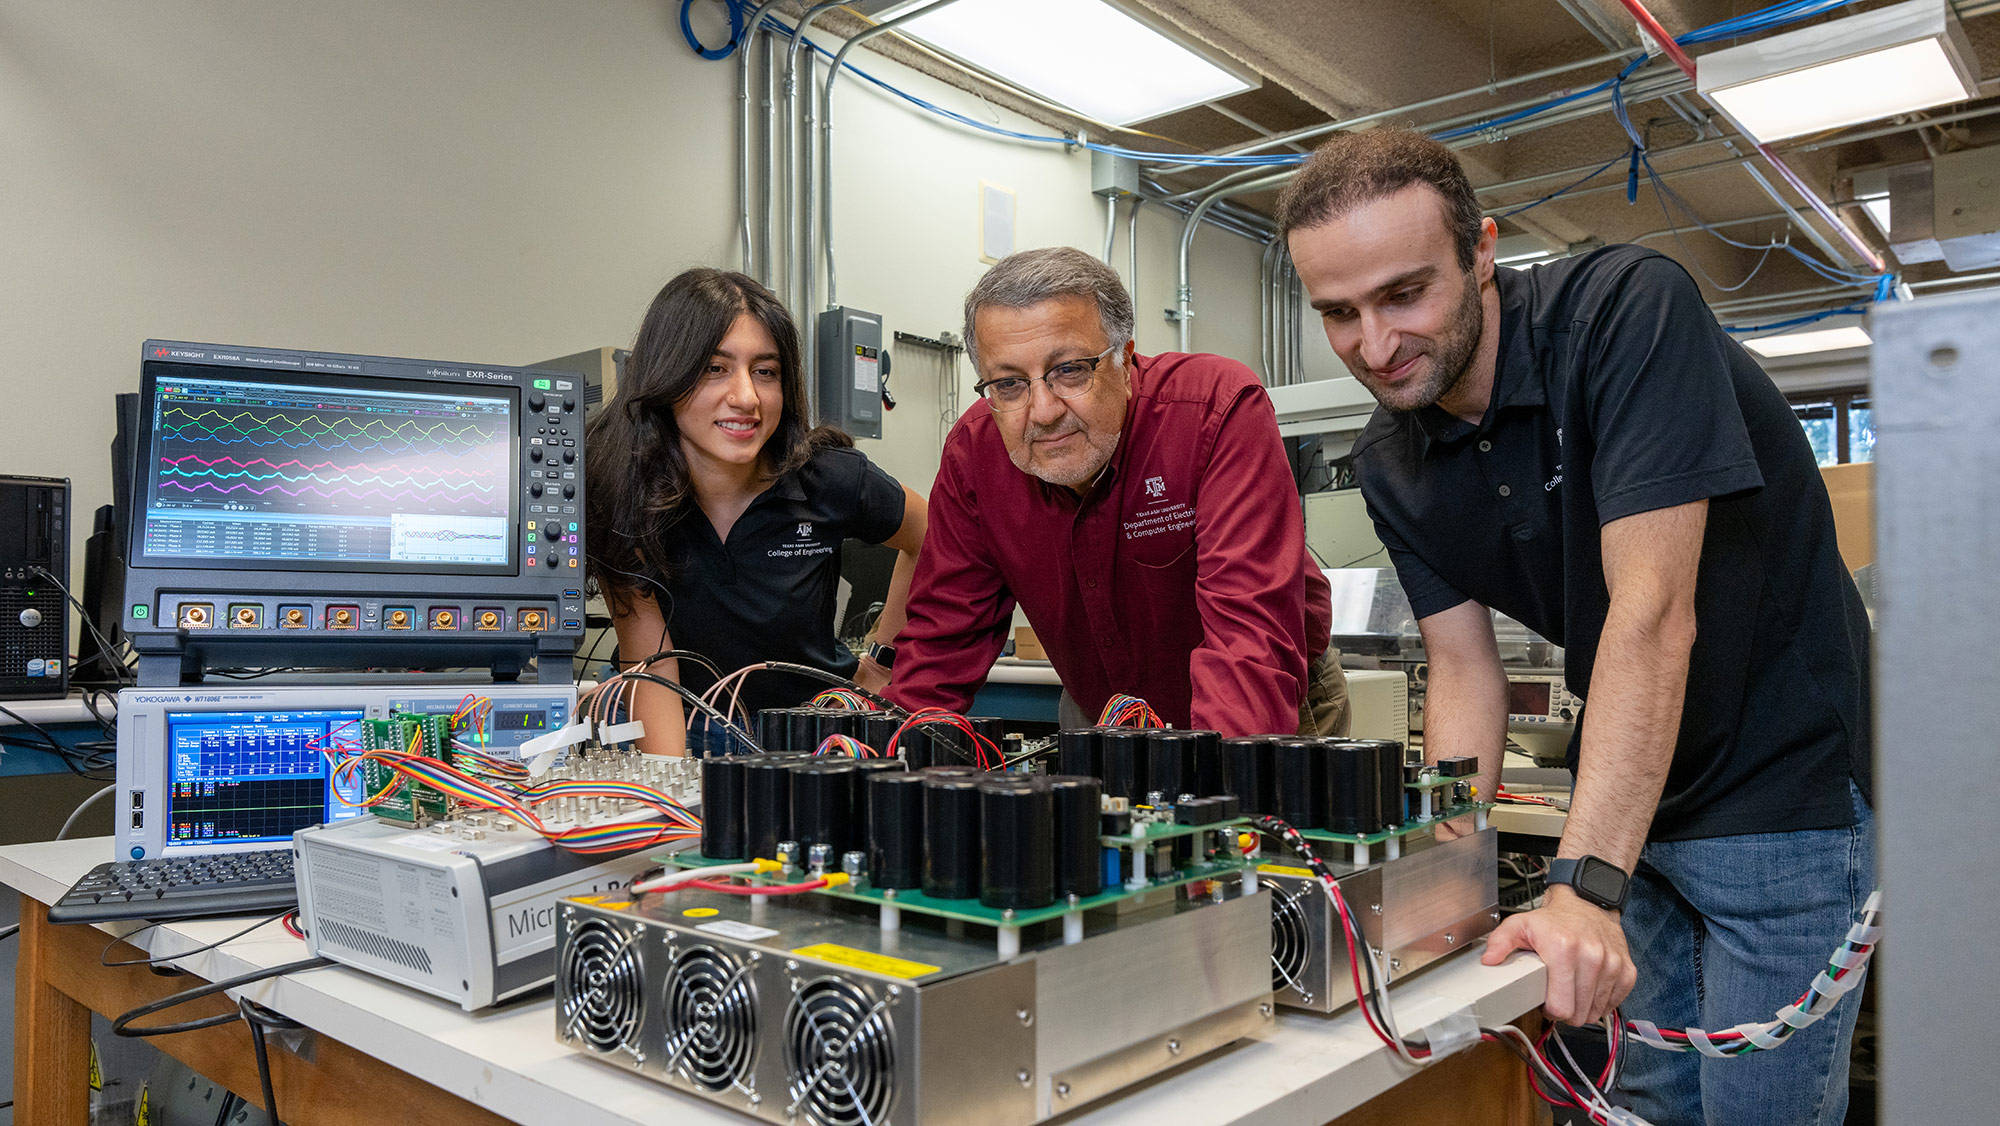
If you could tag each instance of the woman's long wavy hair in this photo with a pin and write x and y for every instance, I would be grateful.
(634, 466)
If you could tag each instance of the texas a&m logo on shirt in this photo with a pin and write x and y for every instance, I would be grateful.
(803, 543)
(1156, 487)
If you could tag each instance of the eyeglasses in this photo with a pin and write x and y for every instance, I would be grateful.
(1066, 380)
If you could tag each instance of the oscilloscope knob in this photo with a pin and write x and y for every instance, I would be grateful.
(534, 488)
(535, 453)
(553, 532)
(569, 403)
(569, 457)
(569, 492)
(536, 401)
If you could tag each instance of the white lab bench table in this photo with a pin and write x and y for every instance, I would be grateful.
(506, 1063)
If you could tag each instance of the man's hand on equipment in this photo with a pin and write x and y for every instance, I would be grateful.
(1590, 969)
(871, 676)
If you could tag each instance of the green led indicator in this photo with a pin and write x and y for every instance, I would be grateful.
(139, 610)
(541, 384)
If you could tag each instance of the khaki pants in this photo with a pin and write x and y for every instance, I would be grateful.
(1324, 711)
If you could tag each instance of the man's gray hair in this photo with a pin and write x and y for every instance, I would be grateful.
(1034, 276)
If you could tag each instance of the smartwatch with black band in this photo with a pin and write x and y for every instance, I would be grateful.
(884, 655)
(1595, 881)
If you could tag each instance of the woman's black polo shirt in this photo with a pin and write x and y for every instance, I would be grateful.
(768, 593)
(1617, 393)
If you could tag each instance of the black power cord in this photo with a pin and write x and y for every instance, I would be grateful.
(262, 1022)
(122, 1025)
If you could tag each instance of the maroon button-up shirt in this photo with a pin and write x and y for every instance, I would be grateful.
(1181, 577)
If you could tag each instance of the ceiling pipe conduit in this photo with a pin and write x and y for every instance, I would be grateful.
(1185, 290)
(751, 32)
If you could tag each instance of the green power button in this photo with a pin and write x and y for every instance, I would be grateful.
(541, 384)
(139, 611)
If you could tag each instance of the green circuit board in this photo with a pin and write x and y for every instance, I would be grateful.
(413, 802)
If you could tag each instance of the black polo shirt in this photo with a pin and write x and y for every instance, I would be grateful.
(768, 593)
(1617, 393)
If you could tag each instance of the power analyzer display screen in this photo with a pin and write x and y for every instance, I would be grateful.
(275, 471)
(254, 777)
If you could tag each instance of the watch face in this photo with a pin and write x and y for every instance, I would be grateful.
(1600, 881)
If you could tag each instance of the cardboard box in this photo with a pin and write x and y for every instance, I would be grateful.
(1851, 488)
(1026, 646)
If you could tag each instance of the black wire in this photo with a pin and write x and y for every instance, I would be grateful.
(106, 651)
(835, 679)
(10, 932)
(261, 1020)
(182, 954)
(122, 1025)
(705, 708)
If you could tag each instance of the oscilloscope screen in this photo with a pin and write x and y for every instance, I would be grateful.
(359, 474)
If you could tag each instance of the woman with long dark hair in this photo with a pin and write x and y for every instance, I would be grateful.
(717, 511)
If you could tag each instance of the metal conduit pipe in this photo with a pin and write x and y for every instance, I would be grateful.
(826, 135)
(1185, 291)
(1794, 295)
(767, 263)
(751, 32)
(791, 180)
(1906, 127)
(1663, 232)
(1572, 173)
(1267, 311)
(1132, 249)
(1110, 225)
(1312, 131)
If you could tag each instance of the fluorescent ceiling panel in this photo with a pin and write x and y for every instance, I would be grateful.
(1085, 54)
(1799, 343)
(1878, 210)
(1859, 68)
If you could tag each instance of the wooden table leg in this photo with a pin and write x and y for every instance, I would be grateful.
(51, 1034)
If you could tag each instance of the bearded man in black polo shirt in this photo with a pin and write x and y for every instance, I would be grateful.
(1581, 447)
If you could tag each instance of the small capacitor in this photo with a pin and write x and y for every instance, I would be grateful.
(722, 807)
(823, 803)
(1079, 866)
(1246, 771)
(767, 804)
(1298, 781)
(895, 804)
(1170, 763)
(1017, 843)
(1124, 762)
(951, 836)
(1080, 751)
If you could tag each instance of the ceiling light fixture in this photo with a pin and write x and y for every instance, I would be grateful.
(1102, 58)
(1818, 340)
(1892, 60)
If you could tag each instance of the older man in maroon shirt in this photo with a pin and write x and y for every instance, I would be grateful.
(1141, 510)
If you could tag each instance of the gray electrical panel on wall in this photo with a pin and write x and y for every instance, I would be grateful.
(852, 365)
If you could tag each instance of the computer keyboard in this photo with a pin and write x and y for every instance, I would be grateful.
(182, 887)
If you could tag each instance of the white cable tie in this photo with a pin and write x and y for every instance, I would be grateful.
(1848, 959)
(1762, 1034)
(1649, 1033)
(1861, 934)
(1702, 1043)
(1453, 1032)
(1796, 1017)
(622, 733)
(1623, 1116)
(556, 740)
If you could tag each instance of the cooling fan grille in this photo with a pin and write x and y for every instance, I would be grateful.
(602, 990)
(840, 1054)
(711, 1017)
(1291, 939)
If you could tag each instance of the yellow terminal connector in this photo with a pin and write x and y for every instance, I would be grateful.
(835, 879)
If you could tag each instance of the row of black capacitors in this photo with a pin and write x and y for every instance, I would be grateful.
(928, 744)
(1352, 786)
(1013, 840)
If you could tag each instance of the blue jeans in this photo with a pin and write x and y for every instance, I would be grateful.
(1728, 930)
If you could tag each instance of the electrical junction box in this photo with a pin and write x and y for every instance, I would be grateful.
(852, 365)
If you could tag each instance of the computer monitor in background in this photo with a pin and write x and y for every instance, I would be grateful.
(865, 568)
(318, 509)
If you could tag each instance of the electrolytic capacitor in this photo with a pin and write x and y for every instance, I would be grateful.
(895, 803)
(838, 721)
(1389, 756)
(1017, 843)
(774, 729)
(877, 728)
(1298, 781)
(1170, 763)
(767, 804)
(823, 804)
(951, 836)
(1354, 790)
(1078, 852)
(1080, 751)
(1207, 776)
(1246, 771)
(1125, 773)
(992, 728)
(867, 768)
(722, 807)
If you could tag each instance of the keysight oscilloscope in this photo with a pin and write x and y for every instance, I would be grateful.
(304, 508)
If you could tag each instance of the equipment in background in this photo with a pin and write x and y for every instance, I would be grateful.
(852, 368)
(1378, 703)
(463, 910)
(202, 772)
(34, 569)
(180, 887)
(1541, 714)
(599, 368)
(304, 508)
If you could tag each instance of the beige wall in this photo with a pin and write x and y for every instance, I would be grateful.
(499, 181)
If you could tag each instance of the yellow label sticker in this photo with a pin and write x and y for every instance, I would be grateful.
(866, 960)
(96, 1069)
(593, 900)
(142, 1115)
(700, 912)
(1286, 870)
